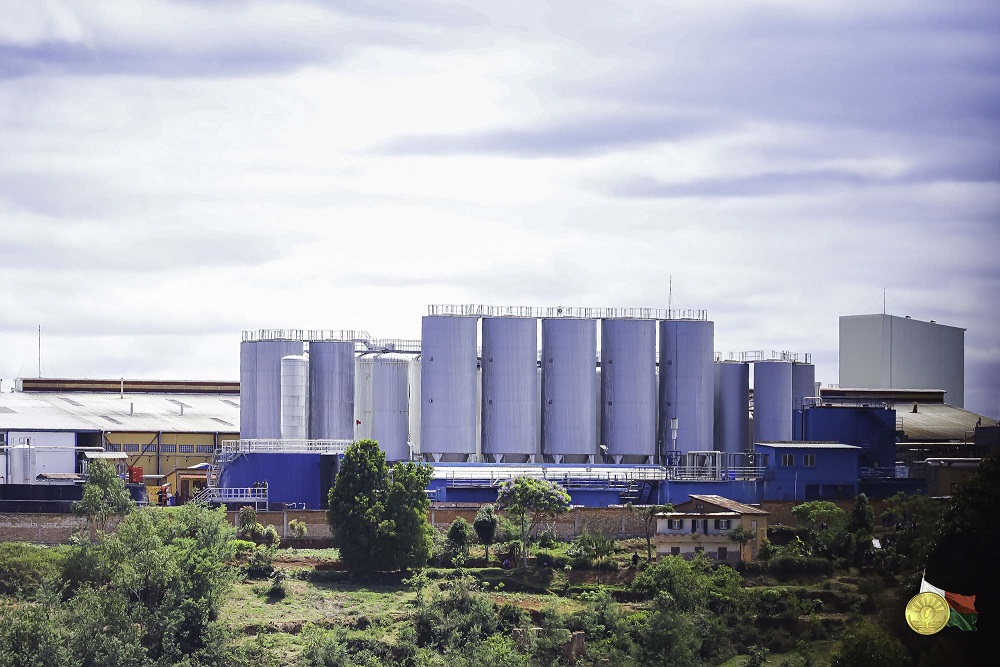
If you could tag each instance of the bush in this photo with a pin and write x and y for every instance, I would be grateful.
(261, 562)
(550, 559)
(243, 548)
(298, 528)
(246, 519)
(26, 566)
(868, 645)
(792, 565)
(547, 537)
(271, 537)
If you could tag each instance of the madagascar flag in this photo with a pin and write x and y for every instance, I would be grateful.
(963, 607)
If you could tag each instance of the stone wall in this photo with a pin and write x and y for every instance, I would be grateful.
(39, 528)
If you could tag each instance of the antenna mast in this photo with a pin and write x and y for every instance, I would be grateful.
(39, 350)
(670, 295)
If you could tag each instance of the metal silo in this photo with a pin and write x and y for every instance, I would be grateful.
(363, 408)
(413, 404)
(267, 366)
(803, 386)
(772, 401)
(248, 389)
(331, 390)
(628, 390)
(295, 397)
(510, 389)
(732, 406)
(448, 388)
(569, 390)
(687, 384)
(389, 401)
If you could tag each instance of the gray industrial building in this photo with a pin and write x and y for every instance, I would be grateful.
(891, 352)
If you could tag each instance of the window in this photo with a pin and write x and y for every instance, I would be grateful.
(787, 460)
(112, 448)
(675, 551)
(185, 449)
(675, 524)
(722, 524)
(206, 449)
(168, 449)
(723, 553)
(694, 525)
(699, 550)
(809, 460)
(131, 448)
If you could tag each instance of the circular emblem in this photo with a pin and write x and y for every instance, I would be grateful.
(927, 613)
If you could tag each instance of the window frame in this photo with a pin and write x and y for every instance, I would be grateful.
(809, 460)
(787, 460)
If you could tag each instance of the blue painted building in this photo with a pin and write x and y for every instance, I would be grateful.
(870, 427)
(808, 470)
(298, 479)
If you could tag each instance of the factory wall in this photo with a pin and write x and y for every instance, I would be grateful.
(291, 478)
(48, 452)
(176, 450)
(872, 429)
(834, 475)
(889, 352)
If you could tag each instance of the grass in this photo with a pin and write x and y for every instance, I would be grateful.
(821, 652)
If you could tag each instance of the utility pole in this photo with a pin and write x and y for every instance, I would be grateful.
(39, 350)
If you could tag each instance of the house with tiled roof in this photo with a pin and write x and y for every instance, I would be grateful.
(705, 524)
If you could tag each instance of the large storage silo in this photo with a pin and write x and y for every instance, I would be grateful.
(628, 390)
(732, 406)
(364, 372)
(772, 401)
(510, 389)
(248, 389)
(687, 383)
(267, 367)
(448, 388)
(803, 386)
(413, 374)
(389, 401)
(331, 390)
(295, 397)
(569, 390)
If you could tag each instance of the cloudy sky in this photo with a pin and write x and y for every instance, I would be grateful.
(174, 173)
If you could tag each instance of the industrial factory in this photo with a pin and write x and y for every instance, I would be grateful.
(617, 404)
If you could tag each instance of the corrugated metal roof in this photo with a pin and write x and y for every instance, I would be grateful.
(729, 504)
(937, 421)
(55, 411)
(805, 445)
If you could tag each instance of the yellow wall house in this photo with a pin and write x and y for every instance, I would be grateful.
(703, 525)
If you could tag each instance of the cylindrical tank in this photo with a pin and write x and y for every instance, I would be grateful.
(390, 409)
(628, 390)
(569, 390)
(331, 390)
(414, 402)
(732, 406)
(687, 384)
(267, 367)
(295, 397)
(772, 401)
(448, 388)
(803, 386)
(364, 367)
(510, 389)
(21, 464)
(248, 389)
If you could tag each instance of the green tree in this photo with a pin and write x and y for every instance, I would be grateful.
(914, 519)
(485, 524)
(104, 496)
(825, 523)
(379, 516)
(648, 514)
(868, 645)
(862, 516)
(459, 534)
(743, 536)
(528, 501)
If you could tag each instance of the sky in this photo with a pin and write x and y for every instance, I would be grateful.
(173, 173)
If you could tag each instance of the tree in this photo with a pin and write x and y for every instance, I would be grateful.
(825, 523)
(596, 547)
(742, 535)
(379, 516)
(914, 519)
(485, 524)
(647, 514)
(459, 534)
(861, 528)
(104, 496)
(868, 645)
(528, 501)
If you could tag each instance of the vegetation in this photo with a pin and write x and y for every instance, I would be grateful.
(379, 516)
(485, 525)
(528, 501)
(105, 496)
(648, 514)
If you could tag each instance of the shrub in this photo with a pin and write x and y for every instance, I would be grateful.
(298, 528)
(27, 566)
(550, 559)
(547, 537)
(792, 565)
(261, 562)
(460, 534)
(277, 590)
(245, 520)
(271, 537)
(243, 548)
(255, 532)
(868, 645)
